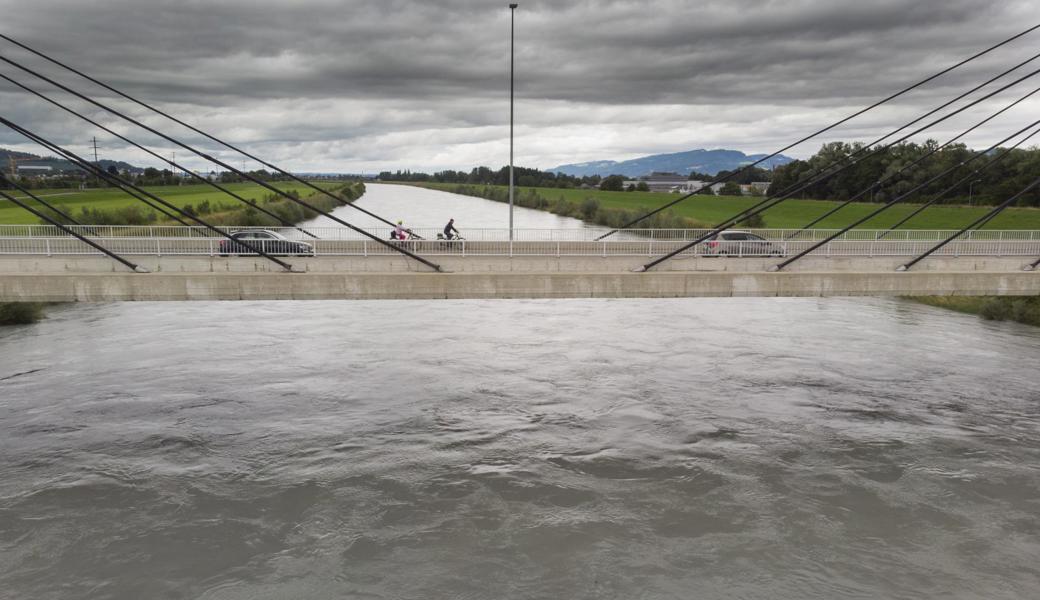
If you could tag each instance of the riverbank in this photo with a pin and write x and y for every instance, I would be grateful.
(287, 210)
(20, 313)
(588, 209)
(110, 206)
(993, 308)
(792, 214)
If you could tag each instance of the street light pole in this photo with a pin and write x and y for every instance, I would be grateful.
(512, 29)
(969, 191)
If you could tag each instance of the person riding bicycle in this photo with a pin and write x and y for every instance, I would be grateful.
(449, 228)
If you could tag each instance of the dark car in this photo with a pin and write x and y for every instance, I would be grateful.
(741, 243)
(267, 241)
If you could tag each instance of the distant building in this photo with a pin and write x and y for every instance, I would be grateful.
(672, 183)
(34, 170)
(666, 182)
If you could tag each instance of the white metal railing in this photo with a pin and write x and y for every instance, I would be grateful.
(502, 234)
(337, 241)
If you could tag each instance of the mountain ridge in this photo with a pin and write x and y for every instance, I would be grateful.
(58, 164)
(700, 160)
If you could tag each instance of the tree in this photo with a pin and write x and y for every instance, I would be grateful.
(730, 189)
(613, 183)
(642, 186)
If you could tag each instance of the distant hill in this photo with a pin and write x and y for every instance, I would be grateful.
(701, 161)
(58, 164)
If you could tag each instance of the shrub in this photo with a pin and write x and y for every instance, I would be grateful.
(589, 209)
(20, 313)
(755, 221)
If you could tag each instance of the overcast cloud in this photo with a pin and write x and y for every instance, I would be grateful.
(352, 86)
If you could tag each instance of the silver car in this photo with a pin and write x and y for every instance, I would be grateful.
(741, 243)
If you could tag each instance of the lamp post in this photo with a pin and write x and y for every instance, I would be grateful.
(970, 190)
(512, 13)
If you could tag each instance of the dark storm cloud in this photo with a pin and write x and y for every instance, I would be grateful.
(353, 85)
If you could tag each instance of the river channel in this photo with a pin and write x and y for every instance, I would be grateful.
(583, 449)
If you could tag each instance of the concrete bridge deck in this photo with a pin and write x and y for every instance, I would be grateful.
(99, 279)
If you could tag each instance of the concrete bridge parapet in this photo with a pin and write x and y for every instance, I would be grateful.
(95, 279)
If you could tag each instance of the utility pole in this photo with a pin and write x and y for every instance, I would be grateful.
(512, 30)
(97, 178)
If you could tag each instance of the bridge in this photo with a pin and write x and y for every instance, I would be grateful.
(39, 263)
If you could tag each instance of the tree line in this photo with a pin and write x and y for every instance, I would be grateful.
(991, 186)
(522, 177)
(148, 177)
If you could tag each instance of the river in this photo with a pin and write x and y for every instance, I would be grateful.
(582, 449)
(421, 208)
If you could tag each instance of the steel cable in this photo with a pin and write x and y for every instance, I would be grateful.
(157, 155)
(769, 203)
(223, 164)
(89, 167)
(804, 139)
(208, 135)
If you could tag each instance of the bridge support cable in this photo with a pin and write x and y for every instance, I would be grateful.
(771, 202)
(377, 239)
(123, 184)
(138, 197)
(879, 183)
(157, 155)
(230, 146)
(25, 191)
(974, 173)
(838, 123)
(856, 156)
(975, 224)
(64, 228)
(907, 194)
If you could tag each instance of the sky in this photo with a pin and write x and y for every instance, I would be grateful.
(368, 85)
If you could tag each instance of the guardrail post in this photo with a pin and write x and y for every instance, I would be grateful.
(158, 248)
(364, 248)
(557, 248)
(48, 241)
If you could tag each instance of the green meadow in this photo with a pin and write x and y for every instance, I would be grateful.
(72, 201)
(790, 214)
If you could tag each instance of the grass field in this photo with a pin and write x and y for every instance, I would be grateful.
(793, 214)
(71, 201)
